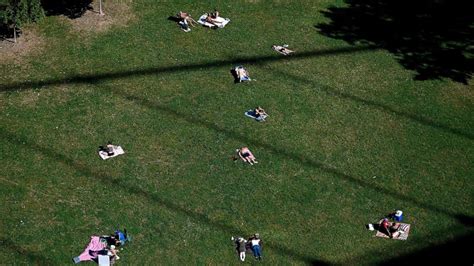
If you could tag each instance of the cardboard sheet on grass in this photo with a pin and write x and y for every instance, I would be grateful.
(401, 234)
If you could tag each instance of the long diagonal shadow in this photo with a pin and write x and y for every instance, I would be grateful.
(32, 257)
(281, 152)
(375, 105)
(94, 78)
(125, 187)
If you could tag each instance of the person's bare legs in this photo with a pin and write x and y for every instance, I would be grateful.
(249, 160)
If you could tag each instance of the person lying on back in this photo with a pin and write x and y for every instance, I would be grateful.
(186, 18)
(246, 155)
(211, 17)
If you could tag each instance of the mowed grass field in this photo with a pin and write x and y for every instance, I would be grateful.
(351, 137)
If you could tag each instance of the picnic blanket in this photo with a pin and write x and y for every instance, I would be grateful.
(220, 22)
(94, 245)
(251, 113)
(117, 151)
(401, 234)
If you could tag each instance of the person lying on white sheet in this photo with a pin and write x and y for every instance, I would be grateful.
(214, 19)
(282, 49)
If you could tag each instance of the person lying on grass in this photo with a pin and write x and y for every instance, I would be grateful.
(186, 18)
(246, 155)
(242, 74)
(212, 17)
(282, 49)
(260, 114)
(109, 149)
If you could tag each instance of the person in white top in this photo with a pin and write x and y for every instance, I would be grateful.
(256, 243)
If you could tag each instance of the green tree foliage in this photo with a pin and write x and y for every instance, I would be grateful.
(15, 13)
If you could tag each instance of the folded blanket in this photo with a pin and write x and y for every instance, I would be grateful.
(94, 245)
(117, 151)
(219, 22)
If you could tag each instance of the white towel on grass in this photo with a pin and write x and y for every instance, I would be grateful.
(117, 151)
(219, 21)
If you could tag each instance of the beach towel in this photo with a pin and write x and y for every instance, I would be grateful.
(251, 113)
(401, 234)
(219, 22)
(282, 49)
(117, 151)
(94, 245)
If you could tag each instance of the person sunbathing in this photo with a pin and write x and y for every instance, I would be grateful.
(109, 149)
(186, 18)
(242, 74)
(214, 14)
(282, 49)
(260, 114)
(213, 18)
(259, 111)
(246, 155)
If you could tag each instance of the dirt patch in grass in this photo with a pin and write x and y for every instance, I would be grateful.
(30, 42)
(119, 13)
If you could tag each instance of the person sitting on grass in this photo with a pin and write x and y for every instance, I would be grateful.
(388, 228)
(246, 155)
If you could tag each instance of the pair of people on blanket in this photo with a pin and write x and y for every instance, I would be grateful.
(389, 228)
(212, 17)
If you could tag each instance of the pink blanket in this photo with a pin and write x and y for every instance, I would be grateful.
(94, 245)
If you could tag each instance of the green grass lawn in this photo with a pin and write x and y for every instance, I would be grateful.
(351, 136)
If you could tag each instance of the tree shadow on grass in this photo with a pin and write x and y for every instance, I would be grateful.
(31, 256)
(280, 152)
(456, 250)
(70, 8)
(425, 121)
(131, 188)
(101, 77)
(97, 78)
(435, 38)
